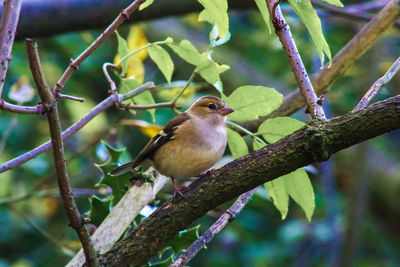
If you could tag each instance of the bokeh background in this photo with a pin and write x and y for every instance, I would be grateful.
(357, 216)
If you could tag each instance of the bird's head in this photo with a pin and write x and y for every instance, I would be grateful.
(211, 109)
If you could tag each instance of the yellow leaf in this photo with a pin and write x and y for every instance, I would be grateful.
(169, 94)
(135, 69)
(136, 39)
(146, 128)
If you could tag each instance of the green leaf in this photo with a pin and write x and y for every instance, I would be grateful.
(118, 184)
(163, 60)
(237, 145)
(99, 209)
(208, 70)
(297, 185)
(145, 98)
(216, 13)
(276, 128)
(279, 196)
(257, 144)
(334, 2)
(187, 51)
(309, 17)
(262, 6)
(145, 4)
(122, 51)
(114, 153)
(251, 102)
(184, 239)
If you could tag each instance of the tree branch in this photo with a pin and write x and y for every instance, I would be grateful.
(315, 142)
(39, 109)
(300, 73)
(8, 24)
(76, 220)
(75, 63)
(106, 103)
(228, 216)
(378, 84)
(342, 61)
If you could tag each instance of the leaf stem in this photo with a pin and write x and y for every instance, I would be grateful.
(241, 128)
(189, 81)
(140, 49)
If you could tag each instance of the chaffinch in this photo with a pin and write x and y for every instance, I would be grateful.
(189, 144)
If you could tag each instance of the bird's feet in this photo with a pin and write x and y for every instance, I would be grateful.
(178, 191)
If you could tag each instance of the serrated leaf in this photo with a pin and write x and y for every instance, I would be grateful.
(122, 51)
(114, 153)
(118, 184)
(276, 128)
(222, 68)
(145, 98)
(334, 2)
(216, 13)
(215, 40)
(262, 6)
(257, 144)
(251, 102)
(309, 17)
(99, 209)
(163, 60)
(297, 185)
(236, 143)
(184, 239)
(145, 4)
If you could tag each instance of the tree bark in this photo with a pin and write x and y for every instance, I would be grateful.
(315, 142)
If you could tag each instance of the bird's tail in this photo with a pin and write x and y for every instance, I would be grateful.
(123, 169)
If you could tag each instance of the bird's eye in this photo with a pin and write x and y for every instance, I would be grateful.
(211, 106)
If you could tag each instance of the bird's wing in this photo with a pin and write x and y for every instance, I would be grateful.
(155, 143)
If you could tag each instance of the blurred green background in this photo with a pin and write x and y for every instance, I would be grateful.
(357, 216)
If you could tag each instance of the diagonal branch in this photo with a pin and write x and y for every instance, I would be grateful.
(8, 24)
(341, 62)
(75, 63)
(106, 103)
(315, 142)
(378, 84)
(76, 220)
(285, 37)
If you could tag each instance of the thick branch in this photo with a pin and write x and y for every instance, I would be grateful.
(313, 143)
(342, 61)
(76, 220)
(8, 24)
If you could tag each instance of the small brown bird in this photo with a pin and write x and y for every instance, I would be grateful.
(189, 144)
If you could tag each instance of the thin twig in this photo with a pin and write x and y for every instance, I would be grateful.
(158, 105)
(300, 73)
(377, 85)
(8, 26)
(75, 63)
(113, 86)
(70, 97)
(21, 109)
(228, 216)
(45, 234)
(347, 12)
(106, 103)
(76, 220)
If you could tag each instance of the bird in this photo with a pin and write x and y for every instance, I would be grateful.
(189, 144)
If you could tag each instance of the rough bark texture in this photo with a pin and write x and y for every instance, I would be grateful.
(313, 143)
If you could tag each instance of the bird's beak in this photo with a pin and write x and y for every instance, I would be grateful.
(225, 111)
